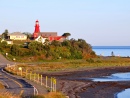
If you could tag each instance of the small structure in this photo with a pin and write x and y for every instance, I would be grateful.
(17, 36)
(40, 39)
(9, 41)
(112, 53)
(0, 36)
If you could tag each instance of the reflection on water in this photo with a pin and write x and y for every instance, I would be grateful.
(117, 77)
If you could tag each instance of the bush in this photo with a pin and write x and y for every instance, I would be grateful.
(98, 61)
(90, 60)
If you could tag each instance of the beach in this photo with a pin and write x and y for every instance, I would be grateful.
(71, 84)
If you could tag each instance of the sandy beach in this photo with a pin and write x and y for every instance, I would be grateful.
(72, 84)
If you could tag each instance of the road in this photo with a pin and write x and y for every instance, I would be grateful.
(4, 61)
(13, 84)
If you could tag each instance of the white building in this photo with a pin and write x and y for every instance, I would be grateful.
(17, 36)
(40, 39)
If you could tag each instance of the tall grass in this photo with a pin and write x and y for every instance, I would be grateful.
(8, 95)
(76, 64)
(49, 95)
(54, 95)
(1, 86)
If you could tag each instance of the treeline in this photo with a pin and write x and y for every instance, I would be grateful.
(69, 49)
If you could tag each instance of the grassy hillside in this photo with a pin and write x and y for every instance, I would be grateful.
(30, 51)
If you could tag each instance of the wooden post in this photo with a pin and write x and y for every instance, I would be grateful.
(38, 77)
(20, 69)
(46, 81)
(21, 72)
(34, 76)
(55, 85)
(41, 79)
(26, 73)
(30, 75)
(51, 84)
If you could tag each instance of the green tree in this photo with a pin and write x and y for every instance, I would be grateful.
(5, 34)
(66, 35)
(47, 50)
(66, 43)
(3, 46)
(56, 43)
(36, 48)
(29, 35)
(75, 54)
(16, 50)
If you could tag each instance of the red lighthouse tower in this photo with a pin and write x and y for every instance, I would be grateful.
(37, 29)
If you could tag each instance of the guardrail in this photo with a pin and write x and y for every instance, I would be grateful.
(49, 83)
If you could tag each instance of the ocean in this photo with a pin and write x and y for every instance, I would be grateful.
(122, 51)
(117, 77)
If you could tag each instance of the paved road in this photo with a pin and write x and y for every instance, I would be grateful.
(16, 84)
(13, 84)
(4, 61)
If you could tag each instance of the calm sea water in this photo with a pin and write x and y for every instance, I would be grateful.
(123, 51)
(117, 77)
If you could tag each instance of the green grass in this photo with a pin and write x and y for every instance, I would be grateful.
(8, 95)
(75, 64)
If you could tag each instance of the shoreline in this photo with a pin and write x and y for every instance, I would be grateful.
(70, 84)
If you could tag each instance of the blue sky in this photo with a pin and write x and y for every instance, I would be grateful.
(99, 22)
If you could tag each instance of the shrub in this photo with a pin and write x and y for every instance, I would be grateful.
(90, 60)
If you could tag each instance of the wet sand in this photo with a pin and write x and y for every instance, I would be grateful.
(72, 84)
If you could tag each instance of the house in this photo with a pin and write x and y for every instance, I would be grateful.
(40, 39)
(48, 34)
(51, 36)
(56, 38)
(17, 36)
(9, 41)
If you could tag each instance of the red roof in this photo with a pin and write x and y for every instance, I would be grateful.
(57, 38)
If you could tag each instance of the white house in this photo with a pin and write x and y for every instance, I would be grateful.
(40, 39)
(17, 36)
(9, 41)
